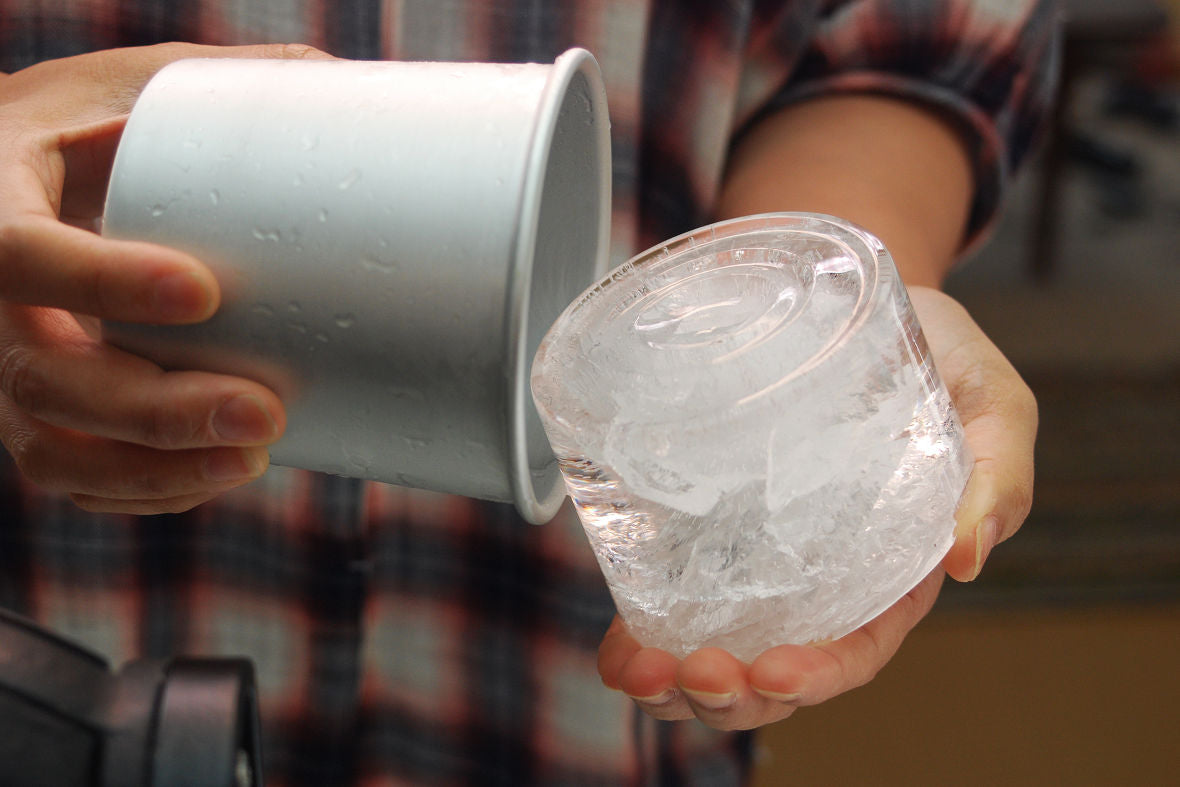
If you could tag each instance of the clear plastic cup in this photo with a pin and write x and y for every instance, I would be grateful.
(753, 433)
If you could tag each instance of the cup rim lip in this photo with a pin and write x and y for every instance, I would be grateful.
(877, 276)
(534, 506)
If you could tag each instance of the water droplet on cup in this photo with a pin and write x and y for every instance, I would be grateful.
(349, 180)
(346, 320)
(378, 265)
(405, 394)
(214, 197)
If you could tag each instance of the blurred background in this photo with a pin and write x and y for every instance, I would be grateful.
(1060, 665)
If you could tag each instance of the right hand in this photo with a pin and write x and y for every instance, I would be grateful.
(999, 418)
(78, 416)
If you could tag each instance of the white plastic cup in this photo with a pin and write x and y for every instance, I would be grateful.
(392, 240)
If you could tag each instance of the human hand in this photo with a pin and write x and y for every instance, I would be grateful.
(999, 419)
(111, 429)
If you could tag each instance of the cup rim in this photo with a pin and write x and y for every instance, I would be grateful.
(538, 498)
(877, 276)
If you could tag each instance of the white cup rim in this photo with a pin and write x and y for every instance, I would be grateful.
(538, 496)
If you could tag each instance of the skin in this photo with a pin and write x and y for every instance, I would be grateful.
(900, 171)
(115, 432)
(119, 434)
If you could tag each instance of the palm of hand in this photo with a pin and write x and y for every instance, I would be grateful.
(999, 420)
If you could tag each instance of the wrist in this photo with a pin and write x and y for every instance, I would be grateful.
(898, 169)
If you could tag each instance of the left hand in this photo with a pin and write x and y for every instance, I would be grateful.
(999, 420)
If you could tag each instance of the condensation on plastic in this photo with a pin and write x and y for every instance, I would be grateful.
(391, 238)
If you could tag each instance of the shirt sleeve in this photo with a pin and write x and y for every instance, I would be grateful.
(989, 65)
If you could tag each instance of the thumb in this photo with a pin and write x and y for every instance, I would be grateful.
(142, 63)
(119, 75)
(999, 416)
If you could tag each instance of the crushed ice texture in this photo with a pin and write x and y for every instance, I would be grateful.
(759, 453)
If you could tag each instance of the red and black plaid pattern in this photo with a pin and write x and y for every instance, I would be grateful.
(406, 637)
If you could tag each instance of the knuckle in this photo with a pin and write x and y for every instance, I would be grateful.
(857, 671)
(154, 485)
(123, 73)
(21, 243)
(967, 382)
(160, 54)
(100, 295)
(294, 52)
(30, 454)
(1026, 403)
(169, 49)
(1022, 500)
(989, 385)
(13, 238)
(20, 378)
(161, 428)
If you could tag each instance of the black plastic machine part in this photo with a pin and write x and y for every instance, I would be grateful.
(66, 719)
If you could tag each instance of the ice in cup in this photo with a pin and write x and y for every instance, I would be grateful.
(753, 433)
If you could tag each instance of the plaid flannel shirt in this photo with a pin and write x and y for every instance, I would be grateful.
(408, 637)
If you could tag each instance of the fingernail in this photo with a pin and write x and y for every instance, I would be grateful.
(244, 419)
(663, 698)
(985, 539)
(786, 699)
(180, 295)
(977, 500)
(711, 700)
(235, 464)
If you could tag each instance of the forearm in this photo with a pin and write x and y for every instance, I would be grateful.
(894, 167)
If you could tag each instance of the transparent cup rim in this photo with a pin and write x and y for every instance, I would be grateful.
(877, 272)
